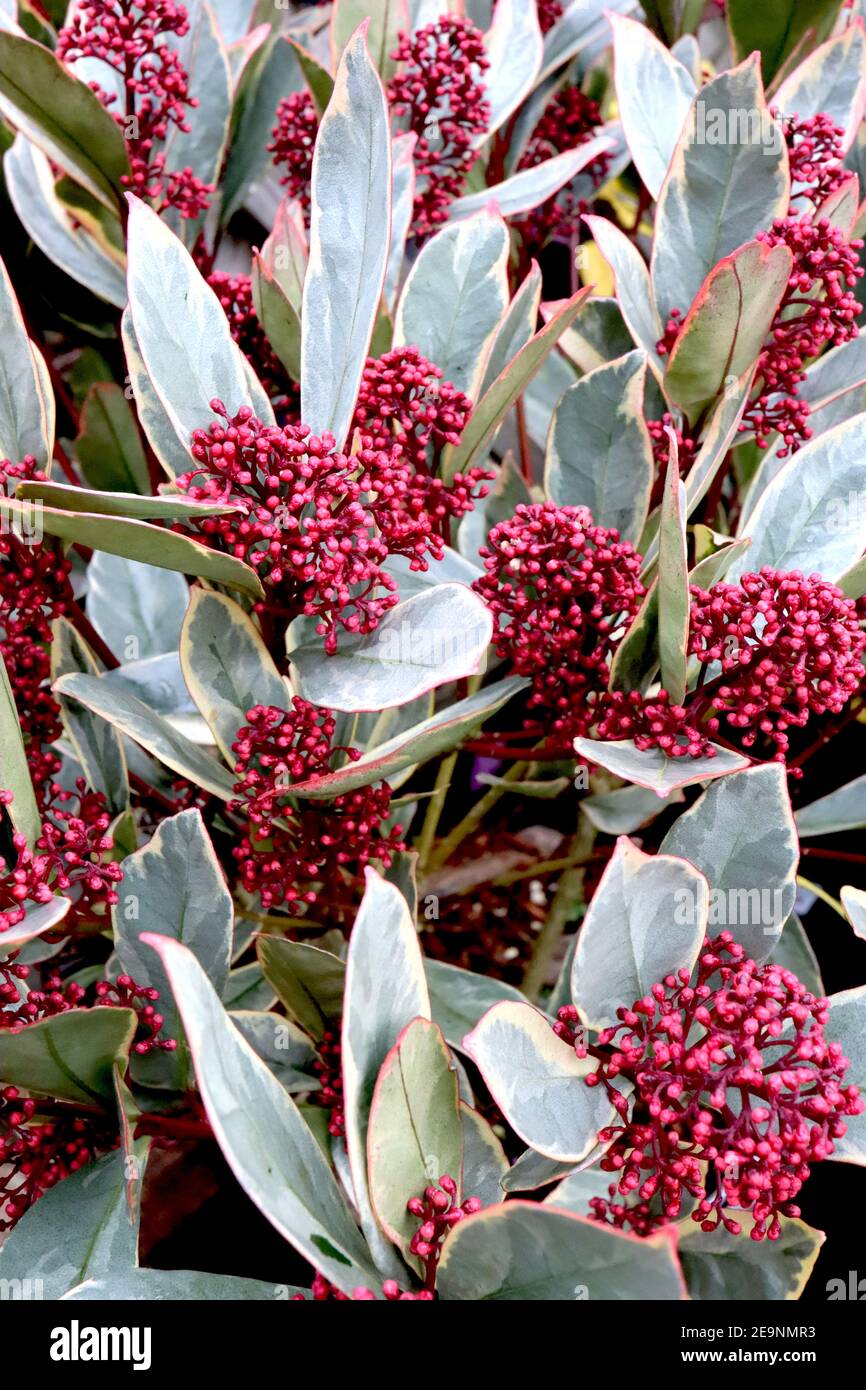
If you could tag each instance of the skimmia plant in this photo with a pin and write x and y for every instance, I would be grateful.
(432, 601)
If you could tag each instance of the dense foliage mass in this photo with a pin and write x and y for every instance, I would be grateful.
(432, 603)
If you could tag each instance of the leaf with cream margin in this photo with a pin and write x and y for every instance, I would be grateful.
(402, 202)
(23, 428)
(514, 50)
(226, 665)
(741, 835)
(23, 810)
(69, 1056)
(169, 506)
(840, 810)
(156, 735)
(854, 903)
(438, 734)
(439, 635)
(388, 18)
(37, 920)
(717, 193)
(647, 919)
(181, 330)
(528, 188)
(804, 519)
(349, 231)
(673, 582)
(652, 768)
(385, 990)
(583, 23)
(632, 281)
(523, 1251)
(455, 296)
(726, 326)
(415, 1133)
(780, 30)
(538, 1082)
(654, 92)
(847, 1026)
(720, 1266)
(266, 1142)
(515, 328)
(830, 80)
(97, 745)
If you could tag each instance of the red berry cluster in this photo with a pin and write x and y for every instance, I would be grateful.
(316, 842)
(317, 525)
(124, 993)
(654, 722)
(736, 1092)
(69, 853)
(821, 288)
(329, 1069)
(130, 36)
(292, 144)
(36, 1152)
(788, 646)
(439, 1211)
(325, 1292)
(561, 590)
(439, 92)
(568, 121)
(687, 447)
(549, 13)
(235, 294)
(815, 156)
(34, 589)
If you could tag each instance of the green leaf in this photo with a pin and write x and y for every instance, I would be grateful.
(514, 50)
(538, 1082)
(351, 195)
(181, 331)
(46, 917)
(226, 665)
(14, 771)
(319, 81)
(831, 79)
(69, 1056)
(97, 745)
(727, 181)
(134, 718)
(176, 1286)
(626, 809)
(599, 452)
(741, 835)
(272, 74)
(285, 253)
(460, 998)
(100, 1241)
(654, 92)
(843, 809)
(136, 609)
(528, 188)
(652, 768)
(778, 30)
(173, 887)
(171, 449)
(415, 1134)
(516, 327)
(633, 289)
(521, 1251)
(277, 316)
(847, 1025)
(804, 520)
(581, 25)
(247, 989)
(455, 296)
(30, 184)
(647, 919)
(402, 201)
(265, 1141)
(170, 506)
(719, 1266)
(385, 990)
(673, 583)
(388, 19)
(438, 636)
(62, 116)
(598, 335)
(285, 1049)
(728, 323)
(516, 374)
(309, 982)
(136, 540)
(484, 1161)
(108, 445)
(438, 734)
(23, 426)
(793, 950)
(854, 902)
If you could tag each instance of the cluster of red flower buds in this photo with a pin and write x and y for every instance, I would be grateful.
(34, 589)
(568, 121)
(130, 37)
(292, 144)
(561, 590)
(735, 1093)
(439, 1211)
(439, 92)
(329, 1069)
(315, 842)
(815, 156)
(325, 1292)
(69, 853)
(318, 525)
(687, 447)
(549, 13)
(38, 1152)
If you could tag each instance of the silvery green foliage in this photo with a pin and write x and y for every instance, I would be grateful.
(169, 641)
